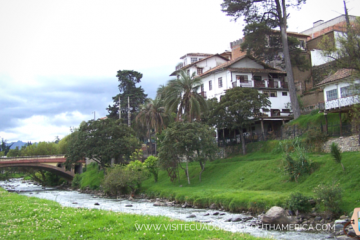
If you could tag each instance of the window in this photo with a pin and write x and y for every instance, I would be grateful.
(220, 82)
(284, 93)
(257, 78)
(188, 72)
(242, 78)
(349, 90)
(285, 110)
(302, 44)
(210, 85)
(331, 95)
(193, 60)
(199, 71)
(271, 94)
(202, 87)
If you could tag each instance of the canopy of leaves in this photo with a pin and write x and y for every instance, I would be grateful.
(127, 87)
(101, 141)
(265, 44)
(239, 107)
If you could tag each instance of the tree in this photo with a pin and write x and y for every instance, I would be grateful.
(264, 44)
(274, 14)
(151, 116)
(190, 142)
(101, 141)
(127, 87)
(4, 147)
(152, 165)
(237, 109)
(181, 97)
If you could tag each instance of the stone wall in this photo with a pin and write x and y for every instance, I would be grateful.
(346, 144)
(321, 72)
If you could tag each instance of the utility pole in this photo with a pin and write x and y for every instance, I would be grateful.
(128, 111)
(94, 115)
(119, 108)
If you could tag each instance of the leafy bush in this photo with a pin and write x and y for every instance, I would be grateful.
(152, 165)
(329, 197)
(120, 178)
(299, 166)
(314, 139)
(76, 182)
(299, 202)
(336, 153)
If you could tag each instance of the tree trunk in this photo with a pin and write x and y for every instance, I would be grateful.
(202, 166)
(242, 141)
(187, 171)
(290, 76)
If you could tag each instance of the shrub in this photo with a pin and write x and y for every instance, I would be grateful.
(336, 154)
(314, 139)
(299, 202)
(152, 165)
(92, 177)
(120, 178)
(76, 181)
(329, 197)
(299, 166)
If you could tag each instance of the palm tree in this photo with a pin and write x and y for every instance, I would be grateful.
(151, 116)
(181, 96)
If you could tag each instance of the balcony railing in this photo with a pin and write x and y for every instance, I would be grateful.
(342, 102)
(259, 84)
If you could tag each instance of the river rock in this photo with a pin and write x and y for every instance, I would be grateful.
(185, 205)
(236, 219)
(275, 215)
(206, 214)
(170, 204)
(245, 219)
(128, 205)
(216, 213)
(158, 204)
(213, 206)
(74, 203)
(191, 216)
(222, 213)
(228, 220)
(97, 204)
(318, 218)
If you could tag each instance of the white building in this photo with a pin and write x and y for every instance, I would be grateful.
(340, 91)
(218, 74)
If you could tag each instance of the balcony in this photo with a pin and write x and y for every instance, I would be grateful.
(260, 84)
(342, 102)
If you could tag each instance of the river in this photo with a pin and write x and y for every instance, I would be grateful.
(144, 207)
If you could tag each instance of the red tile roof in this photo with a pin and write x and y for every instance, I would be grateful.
(229, 63)
(340, 74)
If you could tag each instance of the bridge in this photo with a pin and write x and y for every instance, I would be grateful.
(51, 163)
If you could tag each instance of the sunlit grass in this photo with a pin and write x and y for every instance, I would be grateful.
(32, 218)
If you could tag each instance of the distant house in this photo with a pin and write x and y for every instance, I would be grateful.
(340, 91)
(219, 74)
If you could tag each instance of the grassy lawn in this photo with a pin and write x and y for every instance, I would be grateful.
(32, 218)
(258, 181)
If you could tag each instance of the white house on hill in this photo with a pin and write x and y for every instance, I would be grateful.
(218, 74)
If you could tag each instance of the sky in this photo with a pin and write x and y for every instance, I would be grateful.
(59, 58)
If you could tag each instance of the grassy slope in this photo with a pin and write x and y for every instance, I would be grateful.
(32, 218)
(258, 181)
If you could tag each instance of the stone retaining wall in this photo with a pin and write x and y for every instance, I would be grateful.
(346, 144)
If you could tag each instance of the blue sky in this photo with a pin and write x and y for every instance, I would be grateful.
(58, 59)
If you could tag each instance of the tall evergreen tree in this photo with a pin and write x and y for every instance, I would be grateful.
(128, 90)
(274, 14)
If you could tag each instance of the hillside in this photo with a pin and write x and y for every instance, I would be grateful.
(258, 181)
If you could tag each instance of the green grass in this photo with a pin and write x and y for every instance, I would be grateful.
(92, 178)
(316, 119)
(257, 181)
(33, 218)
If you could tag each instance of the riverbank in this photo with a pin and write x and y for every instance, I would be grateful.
(258, 181)
(25, 217)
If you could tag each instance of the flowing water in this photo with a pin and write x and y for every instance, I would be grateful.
(144, 207)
